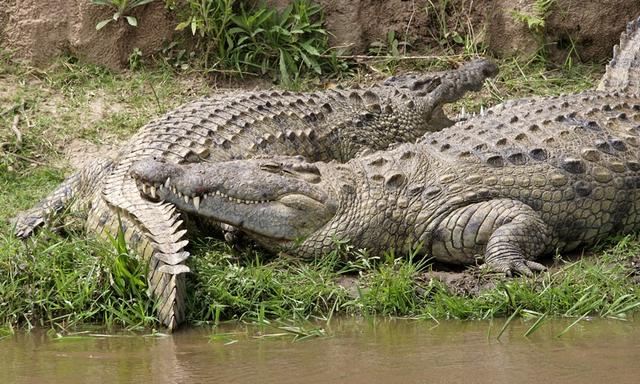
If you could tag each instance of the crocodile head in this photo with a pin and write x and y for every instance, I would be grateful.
(471, 75)
(434, 89)
(276, 201)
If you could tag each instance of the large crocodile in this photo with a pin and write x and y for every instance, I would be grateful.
(329, 125)
(525, 179)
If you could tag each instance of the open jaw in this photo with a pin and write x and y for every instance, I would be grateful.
(278, 201)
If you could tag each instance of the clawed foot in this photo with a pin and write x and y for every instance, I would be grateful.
(517, 266)
(25, 225)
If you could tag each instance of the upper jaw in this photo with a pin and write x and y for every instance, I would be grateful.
(275, 206)
(241, 181)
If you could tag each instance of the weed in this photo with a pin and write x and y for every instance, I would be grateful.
(121, 8)
(454, 29)
(391, 48)
(391, 288)
(260, 40)
(135, 59)
(256, 289)
(535, 21)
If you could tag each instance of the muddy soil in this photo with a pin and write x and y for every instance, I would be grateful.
(40, 30)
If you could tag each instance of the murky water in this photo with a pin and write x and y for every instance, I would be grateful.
(366, 351)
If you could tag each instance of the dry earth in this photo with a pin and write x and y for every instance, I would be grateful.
(41, 30)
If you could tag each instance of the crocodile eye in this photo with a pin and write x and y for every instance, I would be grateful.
(427, 85)
(271, 167)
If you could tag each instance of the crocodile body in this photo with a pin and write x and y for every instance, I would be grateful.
(526, 178)
(329, 125)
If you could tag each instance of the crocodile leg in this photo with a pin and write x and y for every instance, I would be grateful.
(508, 231)
(75, 187)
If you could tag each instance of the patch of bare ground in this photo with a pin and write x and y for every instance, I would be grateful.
(472, 282)
(81, 152)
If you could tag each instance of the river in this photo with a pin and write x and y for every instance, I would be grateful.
(347, 351)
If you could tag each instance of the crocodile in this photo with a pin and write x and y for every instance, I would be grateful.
(329, 125)
(526, 178)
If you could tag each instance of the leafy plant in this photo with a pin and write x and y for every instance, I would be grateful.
(121, 8)
(126, 274)
(135, 59)
(454, 26)
(535, 21)
(259, 40)
(391, 48)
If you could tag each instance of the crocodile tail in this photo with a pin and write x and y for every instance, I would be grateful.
(166, 269)
(76, 187)
(623, 71)
(163, 246)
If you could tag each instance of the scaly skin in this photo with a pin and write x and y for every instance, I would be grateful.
(528, 177)
(335, 124)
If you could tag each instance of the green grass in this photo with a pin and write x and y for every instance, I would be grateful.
(244, 38)
(65, 280)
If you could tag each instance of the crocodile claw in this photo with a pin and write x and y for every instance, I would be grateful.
(25, 225)
(518, 267)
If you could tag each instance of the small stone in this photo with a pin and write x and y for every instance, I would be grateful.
(432, 191)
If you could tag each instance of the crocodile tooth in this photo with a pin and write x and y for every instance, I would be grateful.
(152, 191)
(481, 110)
(186, 199)
(196, 202)
(168, 182)
(145, 189)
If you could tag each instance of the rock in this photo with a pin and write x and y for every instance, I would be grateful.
(505, 35)
(593, 26)
(40, 30)
(589, 28)
(358, 23)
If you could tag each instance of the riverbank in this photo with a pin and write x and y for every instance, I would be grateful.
(60, 116)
